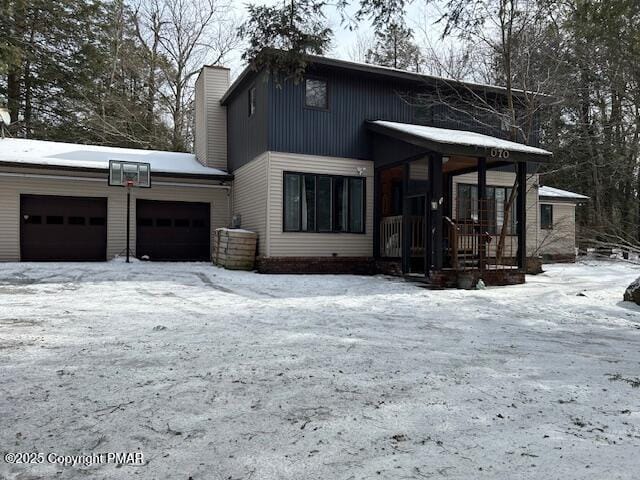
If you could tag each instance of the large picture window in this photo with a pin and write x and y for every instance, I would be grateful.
(496, 208)
(323, 203)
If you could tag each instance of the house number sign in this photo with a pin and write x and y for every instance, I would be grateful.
(499, 153)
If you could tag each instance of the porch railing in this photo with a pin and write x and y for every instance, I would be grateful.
(469, 246)
(391, 236)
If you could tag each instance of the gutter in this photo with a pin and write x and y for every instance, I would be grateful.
(65, 168)
(102, 180)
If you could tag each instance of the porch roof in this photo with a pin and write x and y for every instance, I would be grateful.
(459, 142)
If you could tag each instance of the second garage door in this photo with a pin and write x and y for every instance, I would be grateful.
(173, 230)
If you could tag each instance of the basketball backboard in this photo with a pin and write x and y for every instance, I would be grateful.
(129, 174)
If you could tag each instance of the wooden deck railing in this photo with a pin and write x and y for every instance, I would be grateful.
(391, 236)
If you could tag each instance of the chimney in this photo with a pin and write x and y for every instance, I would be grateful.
(211, 117)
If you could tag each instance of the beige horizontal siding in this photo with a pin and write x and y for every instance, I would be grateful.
(561, 239)
(11, 187)
(250, 186)
(497, 178)
(300, 244)
(200, 127)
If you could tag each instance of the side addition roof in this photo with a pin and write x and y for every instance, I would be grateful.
(557, 194)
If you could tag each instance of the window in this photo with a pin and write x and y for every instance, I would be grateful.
(145, 222)
(76, 220)
(252, 101)
(498, 197)
(97, 221)
(33, 219)
(323, 203)
(163, 222)
(181, 222)
(55, 220)
(546, 216)
(315, 93)
(505, 122)
(197, 223)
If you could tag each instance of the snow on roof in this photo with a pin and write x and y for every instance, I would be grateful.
(459, 137)
(557, 193)
(58, 154)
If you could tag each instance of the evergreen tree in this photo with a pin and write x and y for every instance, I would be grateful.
(395, 48)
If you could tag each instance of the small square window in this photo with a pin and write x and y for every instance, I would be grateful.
(76, 220)
(163, 222)
(315, 93)
(97, 221)
(181, 222)
(252, 101)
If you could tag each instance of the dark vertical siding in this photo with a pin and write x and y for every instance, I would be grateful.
(282, 123)
(340, 131)
(247, 136)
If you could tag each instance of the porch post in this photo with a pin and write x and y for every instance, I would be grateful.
(406, 228)
(436, 199)
(482, 208)
(521, 214)
(377, 206)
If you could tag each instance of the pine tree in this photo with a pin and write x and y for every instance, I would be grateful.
(395, 48)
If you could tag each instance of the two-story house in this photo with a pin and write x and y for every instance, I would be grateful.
(356, 168)
(358, 162)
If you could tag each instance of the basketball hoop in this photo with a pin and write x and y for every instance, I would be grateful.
(129, 175)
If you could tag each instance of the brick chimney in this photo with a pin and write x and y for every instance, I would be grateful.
(211, 117)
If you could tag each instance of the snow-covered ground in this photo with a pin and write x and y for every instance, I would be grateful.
(232, 375)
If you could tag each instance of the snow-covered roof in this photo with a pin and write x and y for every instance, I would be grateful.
(560, 194)
(74, 155)
(459, 137)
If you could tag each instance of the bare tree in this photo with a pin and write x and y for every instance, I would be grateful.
(192, 33)
(363, 43)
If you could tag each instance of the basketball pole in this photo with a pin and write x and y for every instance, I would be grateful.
(128, 217)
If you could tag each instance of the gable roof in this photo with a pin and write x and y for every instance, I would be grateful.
(380, 71)
(557, 194)
(24, 152)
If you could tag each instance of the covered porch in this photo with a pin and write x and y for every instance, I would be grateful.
(437, 233)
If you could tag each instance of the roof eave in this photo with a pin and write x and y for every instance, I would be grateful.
(384, 72)
(453, 148)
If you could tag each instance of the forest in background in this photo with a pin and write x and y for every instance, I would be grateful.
(121, 72)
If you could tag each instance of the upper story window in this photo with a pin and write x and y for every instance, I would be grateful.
(252, 101)
(546, 216)
(323, 203)
(505, 123)
(316, 94)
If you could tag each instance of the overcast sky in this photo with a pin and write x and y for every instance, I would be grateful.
(419, 17)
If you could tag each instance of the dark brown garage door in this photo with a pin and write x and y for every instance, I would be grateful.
(56, 228)
(172, 230)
